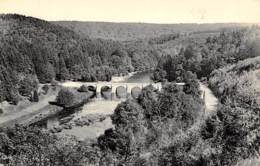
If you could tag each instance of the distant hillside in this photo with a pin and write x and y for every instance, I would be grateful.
(132, 31)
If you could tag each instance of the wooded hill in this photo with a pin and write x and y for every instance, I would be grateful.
(34, 50)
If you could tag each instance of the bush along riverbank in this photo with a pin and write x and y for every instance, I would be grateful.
(70, 98)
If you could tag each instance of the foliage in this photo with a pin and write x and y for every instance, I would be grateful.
(31, 146)
(27, 85)
(202, 58)
(234, 131)
(150, 123)
(179, 106)
(148, 99)
(240, 82)
(66, 97)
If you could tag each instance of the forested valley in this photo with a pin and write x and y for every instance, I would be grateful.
(34, 51)
(167, 127)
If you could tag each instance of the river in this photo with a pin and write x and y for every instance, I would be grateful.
(106, 107)
(102, 107)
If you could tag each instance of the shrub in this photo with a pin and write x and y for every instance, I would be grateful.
(83, 88)
(66, 97)
(1, 111)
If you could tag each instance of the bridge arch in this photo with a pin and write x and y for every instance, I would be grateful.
(121, 92)
(136, 91)
(106, 92)
(93, 90)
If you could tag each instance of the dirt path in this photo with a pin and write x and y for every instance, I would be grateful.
(211, 100)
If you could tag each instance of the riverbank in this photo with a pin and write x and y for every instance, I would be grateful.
(80, 124)
(17, 114)
(95, 109)
(26, 111)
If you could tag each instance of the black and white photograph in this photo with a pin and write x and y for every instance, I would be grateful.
(129, 82)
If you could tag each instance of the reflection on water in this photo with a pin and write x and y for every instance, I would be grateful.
(142, 77)
(105, 107)
(101, 106)
(98, 107)
(89, 132)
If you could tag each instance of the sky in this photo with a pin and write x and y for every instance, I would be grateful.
(149, 11)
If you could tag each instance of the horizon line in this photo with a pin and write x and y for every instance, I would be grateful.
(133, 22)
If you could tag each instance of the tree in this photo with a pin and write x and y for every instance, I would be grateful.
(63, 71)
(148, 99)
(27, 85)
(175, 104)
(127, 115)
(66, 97)
(192, 85)
(159, 75)
(35, 96)
(232, 134)
(45, 72)
(118, 144)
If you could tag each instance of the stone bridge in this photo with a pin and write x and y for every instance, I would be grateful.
(114, 90)
(119, 90)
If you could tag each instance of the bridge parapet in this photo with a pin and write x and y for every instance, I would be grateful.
(128, 86)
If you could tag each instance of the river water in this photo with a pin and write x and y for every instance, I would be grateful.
(103, 107)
